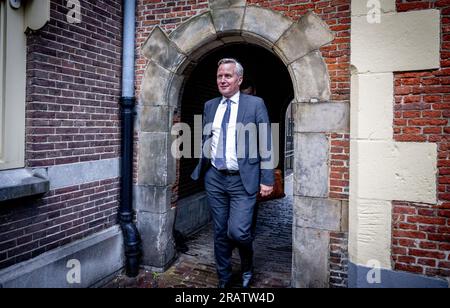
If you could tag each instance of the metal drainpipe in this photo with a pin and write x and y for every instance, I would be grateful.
(128, 102)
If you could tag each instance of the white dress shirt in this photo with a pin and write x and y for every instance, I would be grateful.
(231, 156)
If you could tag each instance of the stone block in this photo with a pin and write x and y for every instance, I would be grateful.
(372, 101)
(318, 213)
(364, 7)
(251, 38)
(310, 258)
(100, 256)
(311, 167)
(174, 90)
(156, 165)
(371, 238)
(161, 50)
(155, 119)
(223, 4)
(228, 20)
(386, 170)
(308, 34)
(157, 86)
(81, 173)
(232, 39)
(205, 49)
(407, 41)
(311, 80)
(195, 32)
(322, 117)
(265, 23)
(344, 216)
(158, 246)
(152, 199)
(21, 183)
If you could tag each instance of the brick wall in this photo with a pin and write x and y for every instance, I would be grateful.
(421, 239)
(338, 260)
(30, 227)
(336, 13)
(339, 166)
(165, 14)
(73, 86)
(72, 116)
(421, 232)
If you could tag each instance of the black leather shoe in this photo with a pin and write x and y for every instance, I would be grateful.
(224, 285)
(246, 279)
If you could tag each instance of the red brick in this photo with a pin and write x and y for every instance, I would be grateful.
(444, 213)
(409, 234)
(404, 226)
(408, 268)
(407, 243)
(406, 259)
(439, 237)
(444, 229)
(426, 220)
(426, 212)
(405, 210)
(427, 254)
(431, 229)
(428, 245)
(427, 262)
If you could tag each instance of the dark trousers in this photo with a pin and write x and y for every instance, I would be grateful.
(232, 211)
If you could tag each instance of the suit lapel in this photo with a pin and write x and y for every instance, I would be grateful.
(242, 109)
(214, 107)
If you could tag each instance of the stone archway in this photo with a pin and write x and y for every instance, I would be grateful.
(297, 45)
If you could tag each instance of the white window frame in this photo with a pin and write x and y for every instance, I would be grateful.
(32, 15)
(12, 87)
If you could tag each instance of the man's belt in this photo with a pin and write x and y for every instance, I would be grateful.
(228, 172)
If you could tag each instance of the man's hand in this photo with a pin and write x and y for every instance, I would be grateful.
(266, 190)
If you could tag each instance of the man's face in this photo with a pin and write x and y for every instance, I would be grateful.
(227, 80)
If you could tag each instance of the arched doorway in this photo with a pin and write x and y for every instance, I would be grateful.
(269, 77)
(271, 80)
(172, 59)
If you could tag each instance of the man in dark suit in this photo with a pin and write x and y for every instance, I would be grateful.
(236, 164)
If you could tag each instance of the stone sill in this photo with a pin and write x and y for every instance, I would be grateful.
(21, 183)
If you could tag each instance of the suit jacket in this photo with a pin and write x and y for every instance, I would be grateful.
(251, 112)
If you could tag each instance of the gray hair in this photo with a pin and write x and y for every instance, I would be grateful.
(239, 68)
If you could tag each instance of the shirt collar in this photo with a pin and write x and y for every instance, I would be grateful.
(234, 99)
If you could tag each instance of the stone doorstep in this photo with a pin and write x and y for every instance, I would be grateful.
(21, 183)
